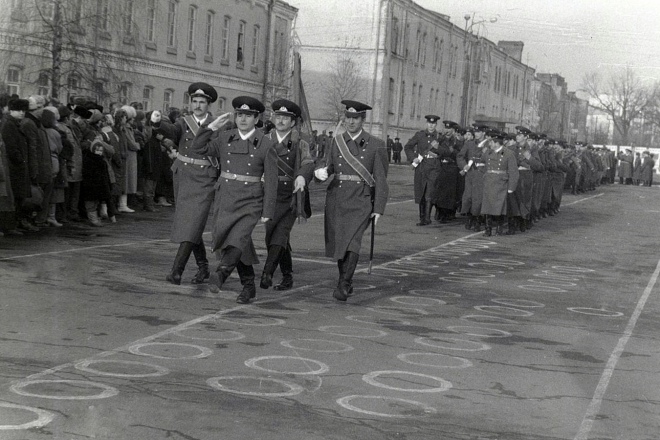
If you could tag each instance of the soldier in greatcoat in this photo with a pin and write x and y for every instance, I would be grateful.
(521, 199)
(469, 160)
(447, 177)
(194, 177)
(246, 156)
(500, 180)
(358, 192)
(421, 151)
(295, 169)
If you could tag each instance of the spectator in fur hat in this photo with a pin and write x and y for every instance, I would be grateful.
(39, 155)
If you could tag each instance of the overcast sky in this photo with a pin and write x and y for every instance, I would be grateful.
(569, 37)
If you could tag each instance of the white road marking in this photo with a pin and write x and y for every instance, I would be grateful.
(599, 394)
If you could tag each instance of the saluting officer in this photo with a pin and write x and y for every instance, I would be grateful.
(194, 179)
(295, 168)
(357, 194)
(500, 180)
(245, 156)
(421, 151)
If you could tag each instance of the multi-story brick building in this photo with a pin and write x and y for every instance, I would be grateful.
(146, 51)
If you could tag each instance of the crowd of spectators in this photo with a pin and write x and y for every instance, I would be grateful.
(80, 162)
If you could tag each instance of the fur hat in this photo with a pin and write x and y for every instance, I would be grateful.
(19, 104)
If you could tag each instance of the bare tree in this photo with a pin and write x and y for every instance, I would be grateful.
(71, 40)
(624, 97)
(342, 83)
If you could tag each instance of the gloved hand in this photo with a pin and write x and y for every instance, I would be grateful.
(321, 174)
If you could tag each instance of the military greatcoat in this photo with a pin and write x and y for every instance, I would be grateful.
(474, 177)
(501, 177)
(348, 203)
(426, 173)
(239, 203)
(447, 178)
(294, 159)
(193, 186)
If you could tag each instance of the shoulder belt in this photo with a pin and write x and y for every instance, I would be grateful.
(354, 162)
(192, 124)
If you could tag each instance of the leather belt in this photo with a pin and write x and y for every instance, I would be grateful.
(523, 168)
(240, 177)
(351, 177)
(284, 179)
(496, 171)
(190, 160)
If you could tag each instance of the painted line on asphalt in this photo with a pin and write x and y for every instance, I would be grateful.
(597, 399)
(583, 200)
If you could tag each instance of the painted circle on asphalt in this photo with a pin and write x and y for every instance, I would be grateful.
(255, 320)
(280, 309)
(436, 360)
(435, 293)
(352, 332)
(595, 312)
(167, 347)
(448, 343)
(487, 319)
(364, 287)
(379, 320)
(540, 288)
(106, 390)
(474, 275)
(407, 377)
(504, 310)
(524, 303)
(43, 417)
(220, 335)
(255, 383)
(485, 332)
(319, 345)
(287, 362)
(398, 408)
(464, 280)
(572, 269)
(157, 370)
(417, 301)
(398, 311)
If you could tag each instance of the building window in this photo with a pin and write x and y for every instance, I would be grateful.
(147, 95)
(171, 23)
(128, 18)
(419, 101)
(43, 84)
(13, 80)
(225, 37)
(220, 104)
(455, 61)
(192, 21)
(418, 52)
(402, 98)
(395, 35)
(392, 101)
(208, 35)
(77, 11)
(125, 93)
(256, 36)
(151, 20)
(424, 49)
(413, 106)
(241, 42)
(281, 44)
(167, 100)
(431, 101)
(99, 89)
(186, 100)
(440, 49)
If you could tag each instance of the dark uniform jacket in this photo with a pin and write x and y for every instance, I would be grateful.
(193, 186)
(474, 177)
(426, 173)
(294, 159)
(349, 203)
(501, 177)
(239, 204)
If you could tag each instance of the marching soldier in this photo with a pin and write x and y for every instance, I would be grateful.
(469, 159)
(194, 179)
(421, 151)
(523, 193)
(500, 180)
(245, 156)
(447, 180)
(295, 168)
(356, 195)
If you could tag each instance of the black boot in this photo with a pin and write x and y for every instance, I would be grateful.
(477, 223)
(246, 274)
(500, 225)
(272, 260)
(228, 261)
(345, 284)
(203, 273)
(489, 226)
(286, 266)
(511, 226)
(422, 214)
(470, 223)
(180, 261)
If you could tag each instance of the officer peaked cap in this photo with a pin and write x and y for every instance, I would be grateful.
(451, 125)
(247, 104)
(523, 130)
(355, 108)
(286, 108)
(203, 89)
(432, 118)
(480, 127)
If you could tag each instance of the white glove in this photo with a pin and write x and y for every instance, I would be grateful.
(220, 121)
(299, 184)
(321, 173)
(375, 216)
